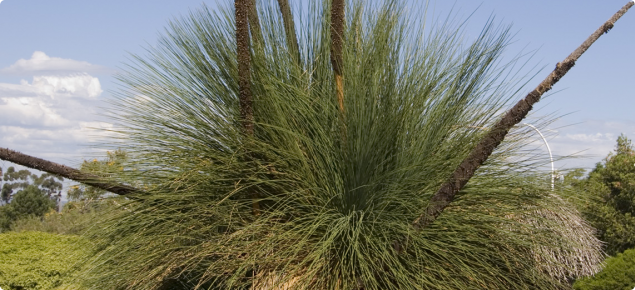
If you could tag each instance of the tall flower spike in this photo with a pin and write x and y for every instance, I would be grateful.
(337, 43)
(242, 47)
(243, 7)
(289, 28)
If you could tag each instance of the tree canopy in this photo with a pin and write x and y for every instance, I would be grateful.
(114, 161)
(611, 204)
(26, 194)
(49, 184)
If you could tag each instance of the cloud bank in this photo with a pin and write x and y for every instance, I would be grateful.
(589, 141)
(53, 115)
(40, 64)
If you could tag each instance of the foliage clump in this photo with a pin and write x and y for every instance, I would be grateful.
(618, 274)
(319, 197)
(610, 202)
(115, 161)
(74, 219)
(28, 202)
(39, 261)
(25, 194)
(14, 181)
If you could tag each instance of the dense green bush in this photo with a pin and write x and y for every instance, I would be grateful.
(36, 260)
(31, 201)
(619, 274)
(28, 202)
(65, 223)
(613, 182)
(607, 197)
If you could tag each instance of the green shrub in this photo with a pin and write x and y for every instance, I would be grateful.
(65, 223)
(74, 219)
(619, 274)
(37, 260)
(28, 202)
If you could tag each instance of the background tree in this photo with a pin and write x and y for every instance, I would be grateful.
(26, 194)
(5, 193)
(105, 169)
(610, 207)
(14, 180)
(7, 217)
(28, 202)
(3, 199)
(31, 201)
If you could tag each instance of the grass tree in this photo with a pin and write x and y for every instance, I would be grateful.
(334, 154)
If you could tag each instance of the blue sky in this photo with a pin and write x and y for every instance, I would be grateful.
(57, 58)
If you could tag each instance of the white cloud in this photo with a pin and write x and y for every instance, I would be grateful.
(52, 116)
(42, 64)
(48, 101)
(591, 140)
(66, 145)
(83, 86)
(55, 115)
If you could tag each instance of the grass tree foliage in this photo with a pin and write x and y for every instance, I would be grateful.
(340, 165)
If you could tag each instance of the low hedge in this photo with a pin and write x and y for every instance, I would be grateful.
(38, 261)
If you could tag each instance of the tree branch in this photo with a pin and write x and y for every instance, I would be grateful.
(65, 171)
(444, 196)
(289, 29)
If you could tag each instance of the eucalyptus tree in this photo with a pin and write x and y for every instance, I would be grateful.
(334, 154)
(26, 194)
(49, 184)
